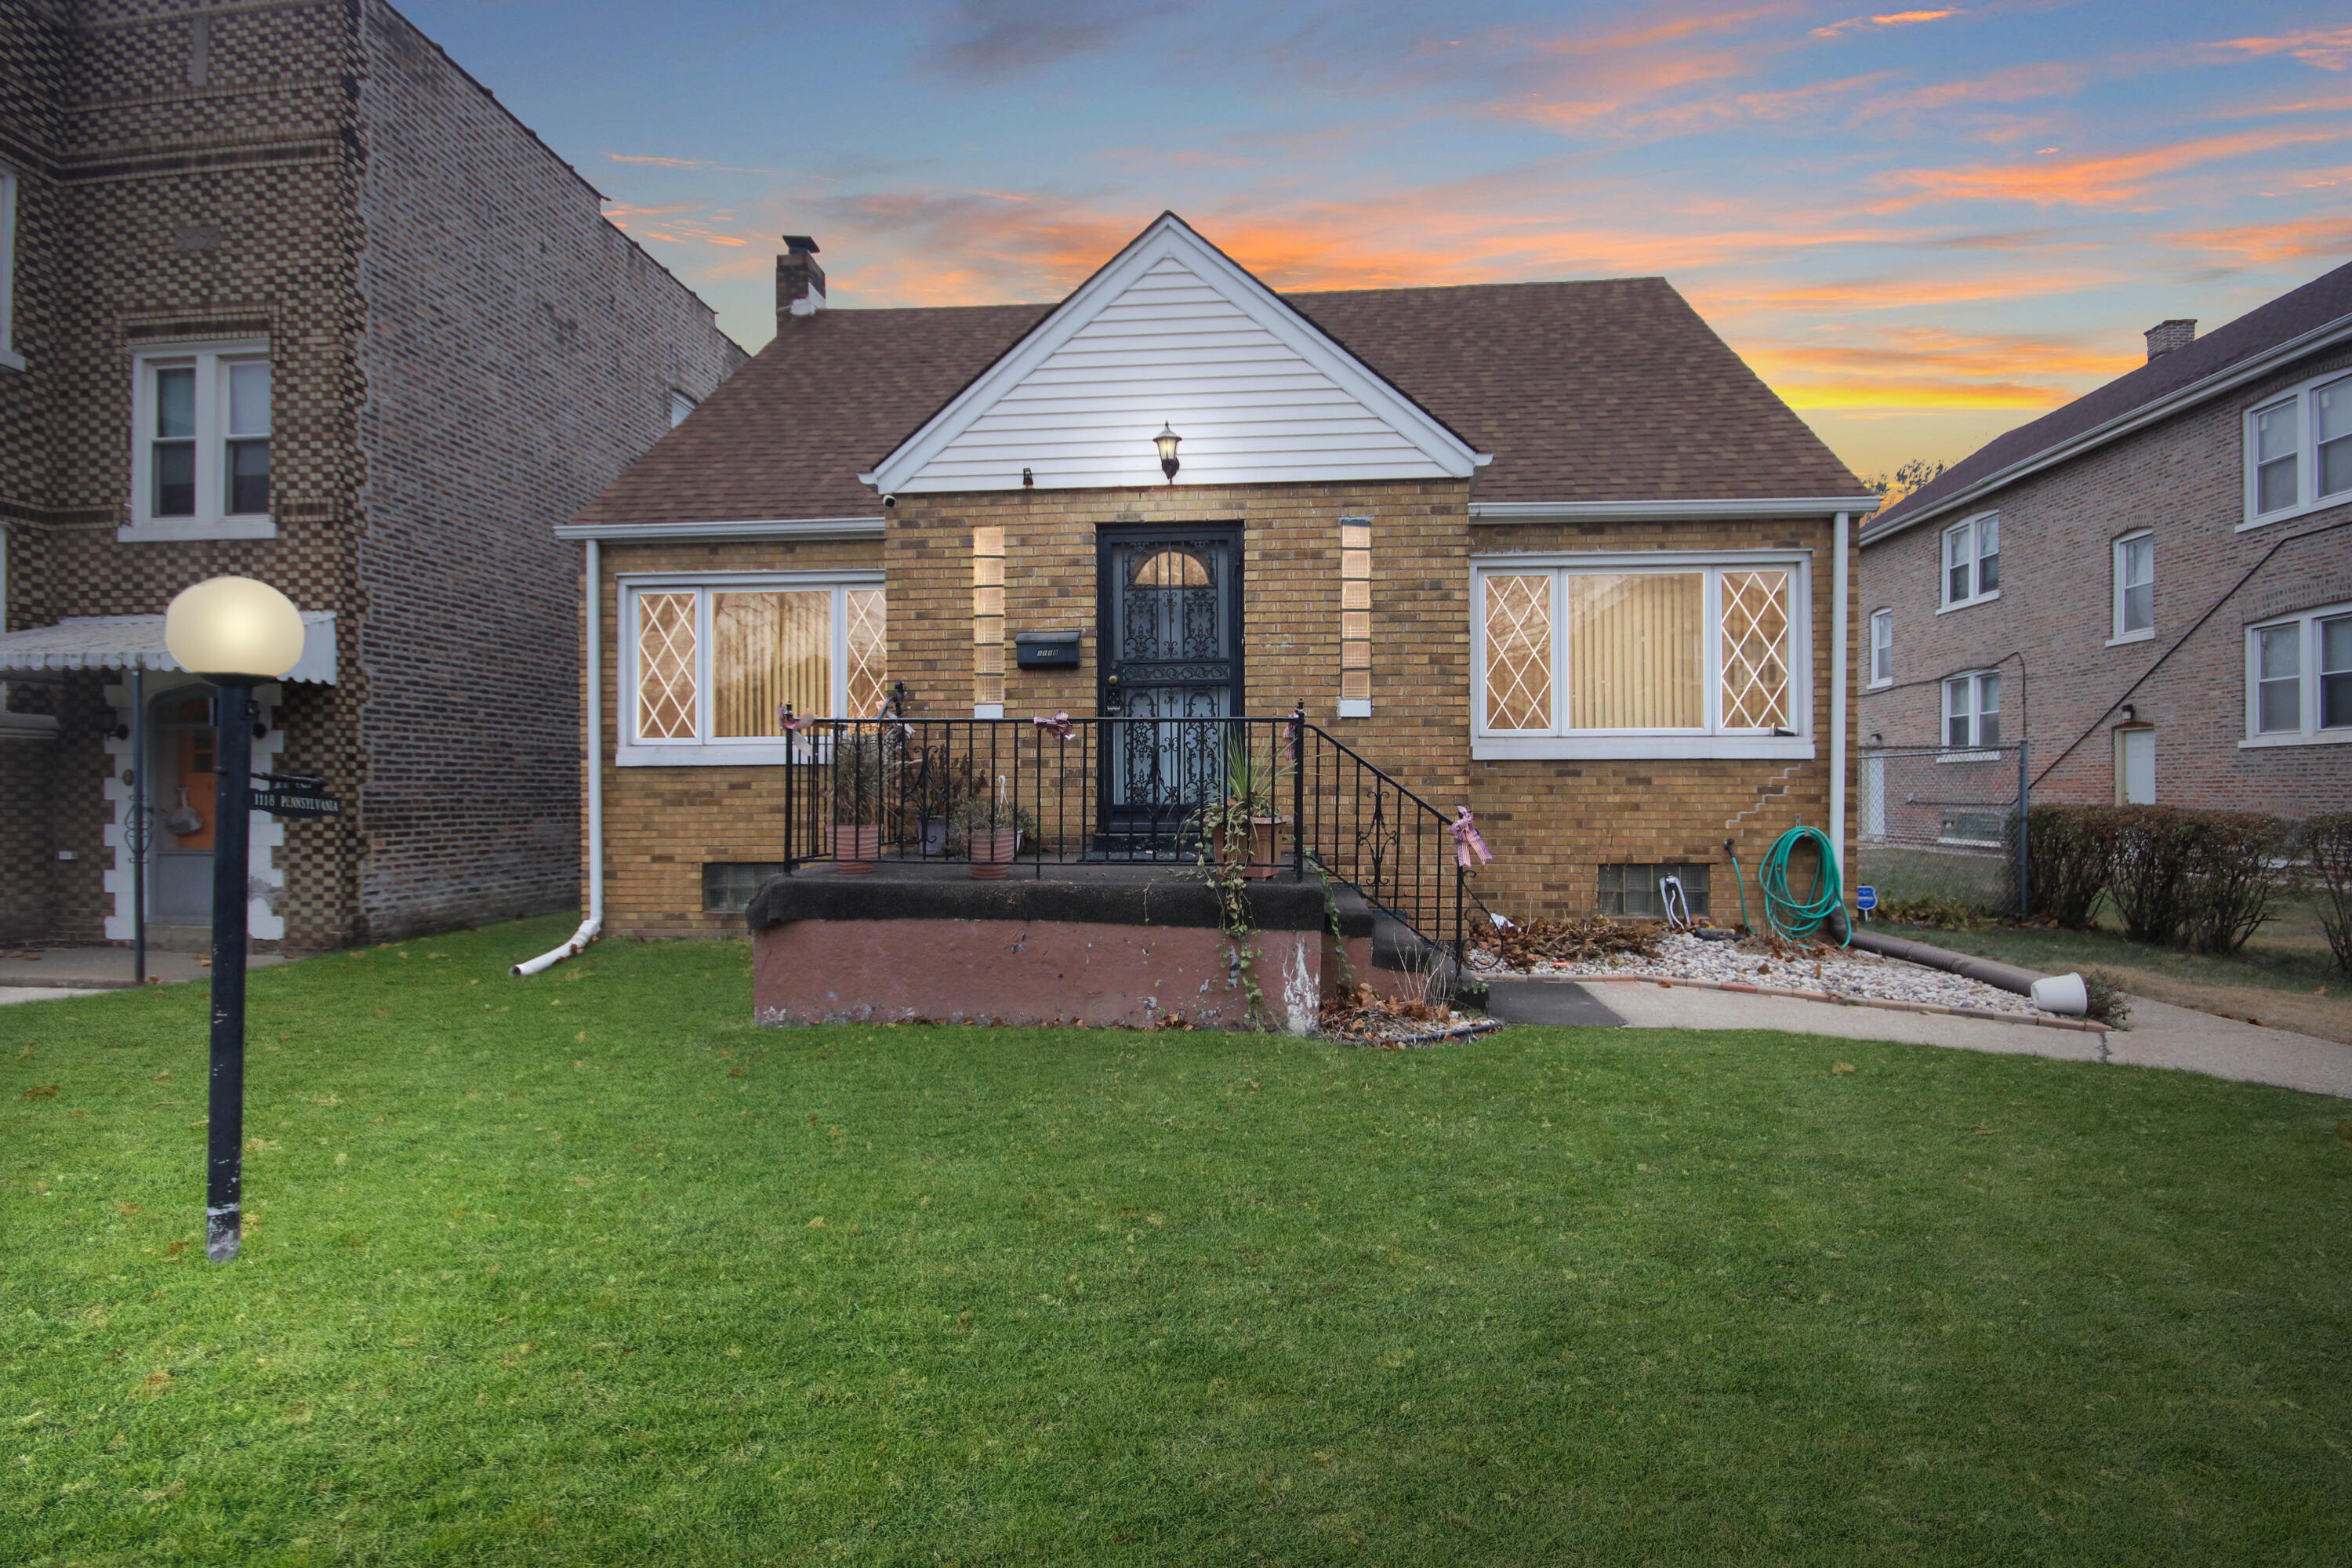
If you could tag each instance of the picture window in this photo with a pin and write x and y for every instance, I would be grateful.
(716, 670)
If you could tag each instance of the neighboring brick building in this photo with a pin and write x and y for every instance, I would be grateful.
(1384, 497)
(2168, 613)
(289, 295)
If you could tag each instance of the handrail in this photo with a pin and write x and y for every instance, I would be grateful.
(1020, 795)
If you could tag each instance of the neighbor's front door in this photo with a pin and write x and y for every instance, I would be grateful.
(1169, 614)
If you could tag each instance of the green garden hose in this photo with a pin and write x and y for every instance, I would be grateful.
(1798, 920)
(1739, 880)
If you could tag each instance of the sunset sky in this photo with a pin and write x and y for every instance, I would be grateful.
(1922, 226)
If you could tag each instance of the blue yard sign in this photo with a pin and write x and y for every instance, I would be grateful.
(1866, 898)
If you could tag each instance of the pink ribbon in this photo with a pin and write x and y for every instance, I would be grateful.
(1059, 726)
(1466, 839)
(785, 720)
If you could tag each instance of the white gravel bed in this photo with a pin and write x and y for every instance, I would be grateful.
(1842, 972)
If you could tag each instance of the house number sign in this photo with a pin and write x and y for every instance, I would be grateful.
(294, 794)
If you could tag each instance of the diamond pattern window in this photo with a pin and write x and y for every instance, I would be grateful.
(715, 668)
(1624, 649)
(1519, 652)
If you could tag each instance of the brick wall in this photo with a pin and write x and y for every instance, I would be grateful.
(520, 353)
(1551, 824)
(2184, 478)
(443, 391)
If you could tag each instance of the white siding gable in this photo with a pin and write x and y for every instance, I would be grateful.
(1172, 331)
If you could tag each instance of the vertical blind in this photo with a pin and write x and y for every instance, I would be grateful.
(767, 650)
(1636, 650)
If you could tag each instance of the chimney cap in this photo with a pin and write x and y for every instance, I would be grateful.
(800, 244)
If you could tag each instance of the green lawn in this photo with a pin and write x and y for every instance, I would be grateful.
(539, 1277)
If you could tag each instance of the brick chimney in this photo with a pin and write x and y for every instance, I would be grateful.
(2166, 336)
(800, 281)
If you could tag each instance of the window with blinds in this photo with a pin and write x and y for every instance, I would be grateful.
(1354, 617)
(721, 665)
(988, 623)
(1681, 649)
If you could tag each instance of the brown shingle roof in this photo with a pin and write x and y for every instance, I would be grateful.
(1612, 390)
(2324, 300)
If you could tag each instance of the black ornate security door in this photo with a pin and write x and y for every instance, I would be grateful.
(1171, 641)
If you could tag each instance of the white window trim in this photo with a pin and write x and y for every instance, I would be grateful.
(2309, 733)
(1977, 595)
(1977, 749)
(1877, 681)
(701, 751)
(678, 416)
(2115, 589)
(210, 521)
(1663, 745)
(2307, 454)
(9, 186)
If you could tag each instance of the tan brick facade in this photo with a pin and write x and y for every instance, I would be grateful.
(1551, 823)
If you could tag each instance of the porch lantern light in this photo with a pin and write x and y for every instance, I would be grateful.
(1166, 441)
(235, 633)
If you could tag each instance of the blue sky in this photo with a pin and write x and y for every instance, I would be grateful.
(1922, 226)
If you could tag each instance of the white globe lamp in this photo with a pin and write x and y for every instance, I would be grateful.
(234, 629)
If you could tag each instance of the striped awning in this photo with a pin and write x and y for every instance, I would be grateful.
(136, 642)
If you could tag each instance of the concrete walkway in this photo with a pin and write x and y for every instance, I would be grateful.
(102, 968)
(2159, 1036)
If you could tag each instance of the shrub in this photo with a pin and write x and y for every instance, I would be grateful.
(2104, 992)
(2070, 852)
(2234, 861)
(2328, 851)
(2150, 871)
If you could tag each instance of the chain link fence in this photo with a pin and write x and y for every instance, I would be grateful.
(1944, 823)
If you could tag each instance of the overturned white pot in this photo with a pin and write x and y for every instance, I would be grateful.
(2061, 994)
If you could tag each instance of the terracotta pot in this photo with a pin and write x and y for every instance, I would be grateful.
(855, 850)
(992, 849)
(1265, 847)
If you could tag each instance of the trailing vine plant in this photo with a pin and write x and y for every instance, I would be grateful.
(1228, 837)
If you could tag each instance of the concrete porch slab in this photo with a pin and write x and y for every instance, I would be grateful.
(107, 968)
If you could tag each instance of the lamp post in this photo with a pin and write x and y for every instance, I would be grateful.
(235, 633)
(1166, 441)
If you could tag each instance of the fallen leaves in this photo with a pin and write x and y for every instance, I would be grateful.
(1522, 947)
(126, 1210)
(817, 1224)
(45, 1091)
(1841, 1069)
(156, 1382)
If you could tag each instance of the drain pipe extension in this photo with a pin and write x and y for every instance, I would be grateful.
(2006, 977)
(596, 697)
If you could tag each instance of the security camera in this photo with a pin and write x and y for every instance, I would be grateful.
(890, 500)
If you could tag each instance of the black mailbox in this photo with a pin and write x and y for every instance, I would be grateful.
(1046, 650)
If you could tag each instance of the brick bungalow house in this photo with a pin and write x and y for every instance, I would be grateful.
(284, 293)
(1548, 549)
(2152, 586)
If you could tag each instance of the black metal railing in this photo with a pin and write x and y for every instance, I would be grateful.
(1023, 795)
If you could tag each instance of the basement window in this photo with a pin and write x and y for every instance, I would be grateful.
(1633, 888)
(727, 885)
(1662, 654)
(710, 665)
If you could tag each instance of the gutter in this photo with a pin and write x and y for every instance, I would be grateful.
(596, 921)
(1664, 510)
(2124, 424)
(731, 528)
(1839, 656)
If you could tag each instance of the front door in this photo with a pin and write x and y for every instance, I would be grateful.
(1169, 614)
(180, 807)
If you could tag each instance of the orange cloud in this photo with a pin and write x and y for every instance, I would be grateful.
(1891, 19)
(2329, 51)
(2108, 181)
(2271, 242)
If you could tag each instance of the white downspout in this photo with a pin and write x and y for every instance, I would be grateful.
(1838, 654)
(595, 921)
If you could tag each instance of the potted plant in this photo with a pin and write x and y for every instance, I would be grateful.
(1244, 828)
(991, 828)
(857, 764)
